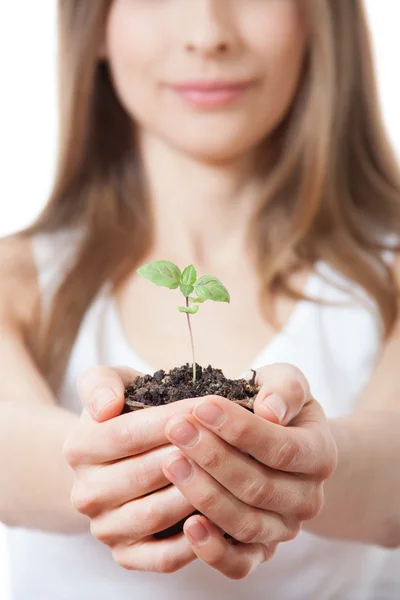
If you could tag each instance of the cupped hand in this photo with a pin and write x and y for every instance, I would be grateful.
(118, 479)
(260, 502)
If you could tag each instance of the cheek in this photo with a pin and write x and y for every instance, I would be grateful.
(134, 51)
(279, 40)
(140, 49)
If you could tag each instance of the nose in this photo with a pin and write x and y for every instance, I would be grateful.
(210, 28)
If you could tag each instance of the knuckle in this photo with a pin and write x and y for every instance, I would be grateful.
(122, 558)
(306, 511)
(296, 389)
(123, 437)
(325, 457)
(291, 529)
(141, 476)
(99, 530)
(208, 501)
(211, 459)
(168, 562)
(151, 518)
(291, 533)
(84, 379)
(331, 453)
(288, 380)
(249, 531)
(309, 505)
(91, 378)
(241, 432)
(317, 502)
(269, 551)
(217, 559)
(84, 501)
(296, 379)
(288, 455)
(328, 468)
(71, 452)
(261, 494)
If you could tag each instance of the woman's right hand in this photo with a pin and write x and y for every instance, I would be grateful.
(119, 483)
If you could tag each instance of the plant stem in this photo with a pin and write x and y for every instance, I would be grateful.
(191, 340)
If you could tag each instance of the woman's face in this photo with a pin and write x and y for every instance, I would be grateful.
(212, 78)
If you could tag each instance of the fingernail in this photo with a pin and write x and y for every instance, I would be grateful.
(101, 399)
(180, 468)
(183, 432)
(197, 531)
(209, 413)
(277, 405)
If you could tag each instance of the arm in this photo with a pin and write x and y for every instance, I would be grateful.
(34, 477)
(362, 498)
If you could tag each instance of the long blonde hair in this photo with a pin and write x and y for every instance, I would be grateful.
(333, 193)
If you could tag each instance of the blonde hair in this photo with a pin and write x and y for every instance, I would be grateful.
(333, 193)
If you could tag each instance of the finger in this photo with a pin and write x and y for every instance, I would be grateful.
(294, 449)
(101, 390)
(247, 479)
(234, 560)
(246, 524)
(129, 434)
(135, 520)
(283, 394)
(157, 556)
(98, 490)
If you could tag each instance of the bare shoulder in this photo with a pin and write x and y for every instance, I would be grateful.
(19, 302)
(19, 292)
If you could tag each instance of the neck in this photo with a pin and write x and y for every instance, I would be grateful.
(201, 211)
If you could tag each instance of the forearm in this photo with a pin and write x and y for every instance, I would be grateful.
(35, 480)
(362, 498)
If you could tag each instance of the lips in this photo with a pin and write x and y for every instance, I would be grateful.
(211, 94)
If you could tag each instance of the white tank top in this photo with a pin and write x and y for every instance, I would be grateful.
(336, 347)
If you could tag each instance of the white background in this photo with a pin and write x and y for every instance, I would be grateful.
(28, 113)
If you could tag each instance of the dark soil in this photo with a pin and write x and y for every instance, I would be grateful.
(164, 388)
(177, 384)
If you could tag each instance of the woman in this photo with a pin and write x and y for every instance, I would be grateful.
(245, 137)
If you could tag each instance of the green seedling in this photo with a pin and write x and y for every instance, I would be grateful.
(167, 274)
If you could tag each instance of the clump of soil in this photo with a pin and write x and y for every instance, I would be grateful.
(164, 388)
(177, 384)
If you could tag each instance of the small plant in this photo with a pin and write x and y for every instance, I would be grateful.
(167, 274)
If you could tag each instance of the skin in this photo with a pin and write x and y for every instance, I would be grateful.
(153, 44)
(112, 460)
(259, 503)
(205, 156)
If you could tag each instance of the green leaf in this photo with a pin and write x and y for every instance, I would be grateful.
(210, 288)
(193, 300)
(191, 310)
(189, 275)
(186, 289)
(161, 272)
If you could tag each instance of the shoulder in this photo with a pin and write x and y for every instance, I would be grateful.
(19, 291)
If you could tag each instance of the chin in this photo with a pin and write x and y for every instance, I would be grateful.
(217, 148)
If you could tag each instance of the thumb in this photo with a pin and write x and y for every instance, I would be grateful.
(283, 394)
(102, 390)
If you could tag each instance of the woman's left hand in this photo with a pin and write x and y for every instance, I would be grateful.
(261, 502)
